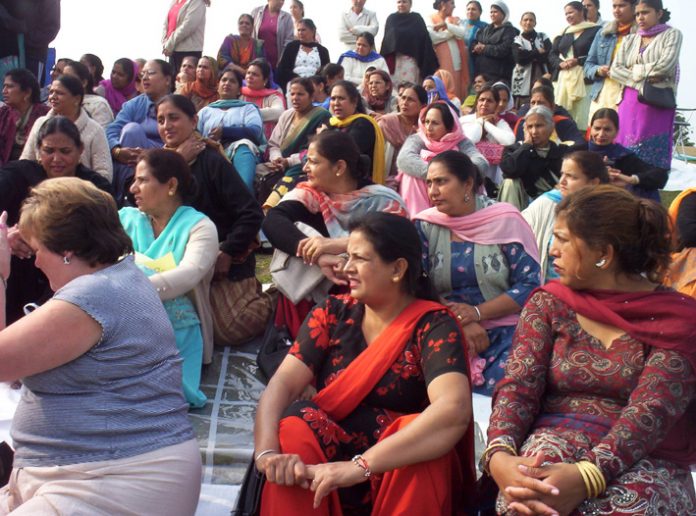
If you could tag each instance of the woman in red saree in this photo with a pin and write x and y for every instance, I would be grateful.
(391, 370)
(599, 396)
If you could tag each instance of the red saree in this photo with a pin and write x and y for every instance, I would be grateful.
(440, 486)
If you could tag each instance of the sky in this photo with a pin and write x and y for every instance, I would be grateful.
(133, 28)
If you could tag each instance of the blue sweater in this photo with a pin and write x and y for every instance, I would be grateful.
(135, 110)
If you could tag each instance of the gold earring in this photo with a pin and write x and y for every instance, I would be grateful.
(171, 193)
(395, 279)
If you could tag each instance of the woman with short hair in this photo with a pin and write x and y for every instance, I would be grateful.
(104, 334)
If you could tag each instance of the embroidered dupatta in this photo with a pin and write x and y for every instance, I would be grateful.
(338, 209)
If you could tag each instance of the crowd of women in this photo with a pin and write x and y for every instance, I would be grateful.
(471, 209)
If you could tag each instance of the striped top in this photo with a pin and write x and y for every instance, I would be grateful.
(121, 398)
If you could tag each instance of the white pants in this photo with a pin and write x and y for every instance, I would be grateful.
(166, 481)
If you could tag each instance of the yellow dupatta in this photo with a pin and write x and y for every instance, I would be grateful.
(378, 174)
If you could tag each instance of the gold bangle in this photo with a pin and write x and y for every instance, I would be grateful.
(117, 151)
(595, 472)
(585, 479)
(487, 454)
(595, 482)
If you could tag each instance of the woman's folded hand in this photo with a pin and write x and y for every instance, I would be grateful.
(331, 476)
(284, 469)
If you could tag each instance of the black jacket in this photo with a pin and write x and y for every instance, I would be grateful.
(581, 47)
(496, 61)
(521, 161)
(27, 284)
(38, 20)
(286, 65)
(225, 199)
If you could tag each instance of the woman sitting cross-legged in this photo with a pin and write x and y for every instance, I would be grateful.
(337, 188)
(176, 247)
(236, 124)
(101, 425)
(290, 139)
(438, 131)
(482, 258)
(223, 198)
(578, 170)
(391, 372)
(599, 394)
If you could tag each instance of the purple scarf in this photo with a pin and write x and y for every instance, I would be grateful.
(654, 30)
(115, 97)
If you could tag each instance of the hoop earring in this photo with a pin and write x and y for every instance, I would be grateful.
(66, 260)
(601, 263)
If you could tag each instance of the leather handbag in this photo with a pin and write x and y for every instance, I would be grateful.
(662, 98)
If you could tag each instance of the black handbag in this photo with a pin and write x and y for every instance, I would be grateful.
(662, 98)
(275, 345)
(249, 500)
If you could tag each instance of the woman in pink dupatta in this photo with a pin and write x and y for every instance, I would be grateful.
(120, 86)
(483, 259)
(259, 91)
(438, 131)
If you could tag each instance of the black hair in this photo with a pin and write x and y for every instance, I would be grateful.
(165, 67)
(305, 82)
(367, 37)
(264, 67)
(246, 15)
(339, 146)
(545, 81)
(460, 166)
(608, 113)
(26, 81)
(596, 3)
(299, 2)
(98, 67)
(477, 4)
(73, 85)
(331, 70)
(591, 163)
(309, 24)
(83, 74)
(547, 92)
(578, 7)
(445, 113)
(438, 3)
(127, 66)
(394, 237)
(657, 5)
(166, 164)
(421, 92)
(237, 74)
(353, 94)
(319, 81)
(59, 124)
(180, 102)
(489, 87)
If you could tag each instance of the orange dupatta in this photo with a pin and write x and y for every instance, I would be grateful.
(461, 78)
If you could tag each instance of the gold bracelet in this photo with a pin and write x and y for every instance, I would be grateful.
(117, 151)
(486, 457)
(597, 474)
(585, 479)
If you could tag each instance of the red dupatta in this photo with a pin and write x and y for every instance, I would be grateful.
(662, 319)
(344, 394)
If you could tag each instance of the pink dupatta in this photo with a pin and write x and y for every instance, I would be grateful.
(450, 141)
